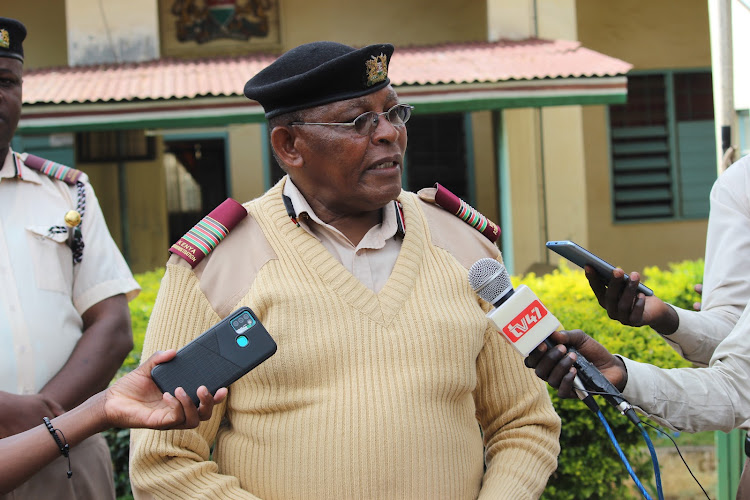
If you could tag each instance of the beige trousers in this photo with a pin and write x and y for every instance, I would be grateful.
(92, 476)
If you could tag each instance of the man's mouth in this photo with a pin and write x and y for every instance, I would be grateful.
(385, 164)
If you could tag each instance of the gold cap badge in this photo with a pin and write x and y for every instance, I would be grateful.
(377, 69)
(4, 39)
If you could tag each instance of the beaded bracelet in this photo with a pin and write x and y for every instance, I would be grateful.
(64, 448)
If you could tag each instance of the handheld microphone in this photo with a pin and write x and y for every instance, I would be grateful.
(524, 321)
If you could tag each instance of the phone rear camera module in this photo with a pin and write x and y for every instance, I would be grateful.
(242, 323)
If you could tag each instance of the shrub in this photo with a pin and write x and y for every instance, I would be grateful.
(588, 461)
(588, 464)
(140, 312)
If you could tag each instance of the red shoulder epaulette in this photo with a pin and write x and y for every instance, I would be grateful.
(204, 236)
(55, 170)
(455, 205)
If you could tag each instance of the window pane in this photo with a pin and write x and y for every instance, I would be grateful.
(437, 153)
(642, 177)
(646, 104)
(693, 96)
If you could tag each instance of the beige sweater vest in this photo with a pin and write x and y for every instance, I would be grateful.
(368, 396)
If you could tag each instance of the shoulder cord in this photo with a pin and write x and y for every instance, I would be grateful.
(76, 243)
(64, 448)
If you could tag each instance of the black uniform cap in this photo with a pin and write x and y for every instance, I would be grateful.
(318, 73)
(12, 35)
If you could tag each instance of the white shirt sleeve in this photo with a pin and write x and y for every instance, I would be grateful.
(726, 287)
(698, 399)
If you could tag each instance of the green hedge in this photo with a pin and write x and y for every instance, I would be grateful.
(588, 466)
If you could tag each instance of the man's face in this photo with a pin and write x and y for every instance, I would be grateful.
(11, 71)
(345, 173)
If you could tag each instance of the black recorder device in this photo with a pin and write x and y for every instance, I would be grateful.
(218, 357)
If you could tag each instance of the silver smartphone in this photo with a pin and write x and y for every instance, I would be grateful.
(582, 257)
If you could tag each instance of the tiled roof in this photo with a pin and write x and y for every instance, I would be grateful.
(489, 62)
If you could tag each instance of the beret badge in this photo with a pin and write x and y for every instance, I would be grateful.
(377, 69)
(4, 39)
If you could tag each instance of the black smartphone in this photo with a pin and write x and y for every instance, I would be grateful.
(218, 357)
(582, 257)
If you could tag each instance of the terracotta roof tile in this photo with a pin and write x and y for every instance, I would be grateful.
(225, 76)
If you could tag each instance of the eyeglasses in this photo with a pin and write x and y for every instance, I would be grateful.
(366, 123)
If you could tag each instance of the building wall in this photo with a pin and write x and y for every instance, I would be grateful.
(405, 22)
(246, 161)
(544, 147)
(111, 32)
(646, 34)
(45, 42)
(145, 221)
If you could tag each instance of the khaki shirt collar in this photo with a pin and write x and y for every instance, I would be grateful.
(13, 166)
(302, 212)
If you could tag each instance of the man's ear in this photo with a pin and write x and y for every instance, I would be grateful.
(283, 142)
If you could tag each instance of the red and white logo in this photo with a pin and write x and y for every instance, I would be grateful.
(525, 321)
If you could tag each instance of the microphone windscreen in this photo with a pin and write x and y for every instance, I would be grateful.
(489, 279)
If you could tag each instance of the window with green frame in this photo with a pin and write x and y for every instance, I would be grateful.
(663, 147)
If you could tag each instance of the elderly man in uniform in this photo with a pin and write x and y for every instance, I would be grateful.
(64, 318)
(389, 381)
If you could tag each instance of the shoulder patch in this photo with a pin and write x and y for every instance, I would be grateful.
(204, 236)
(442, 197)
(55, 170)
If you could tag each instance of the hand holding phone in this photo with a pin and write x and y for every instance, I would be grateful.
(218, 357)
(582, 257)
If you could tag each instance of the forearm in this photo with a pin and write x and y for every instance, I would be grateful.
(106, 341)
(22, 455)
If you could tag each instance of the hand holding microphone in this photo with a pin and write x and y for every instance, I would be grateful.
(524, 321)
(556, 363)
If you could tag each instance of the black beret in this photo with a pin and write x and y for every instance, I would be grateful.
(12, 34)
(318, 73)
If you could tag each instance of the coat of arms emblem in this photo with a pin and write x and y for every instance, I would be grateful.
(377, 69)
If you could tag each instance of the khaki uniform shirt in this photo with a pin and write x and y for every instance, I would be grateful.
(372, 260)
(42, 294)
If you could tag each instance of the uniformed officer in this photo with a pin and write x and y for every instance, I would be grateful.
(64, 318)
(387, 370)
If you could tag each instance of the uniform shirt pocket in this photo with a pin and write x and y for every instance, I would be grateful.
(52, 259)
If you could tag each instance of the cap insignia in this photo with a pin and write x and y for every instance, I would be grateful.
(377, 69)
(4, 39)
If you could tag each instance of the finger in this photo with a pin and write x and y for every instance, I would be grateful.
(560, 370)
(627, 299)
(698, 287)
(636, 315)
(614, 291)
(567, 387)
(221, 395)
(545, 368)
(187, 416)
(596, 283)
(534, 356)
(156, 358)
(206, 403)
